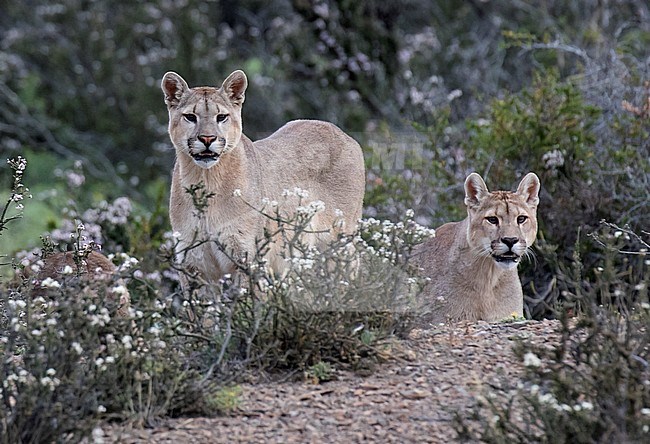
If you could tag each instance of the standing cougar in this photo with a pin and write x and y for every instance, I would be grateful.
(205, 126)
(472, 264)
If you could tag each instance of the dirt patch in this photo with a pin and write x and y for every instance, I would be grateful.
(412, 398)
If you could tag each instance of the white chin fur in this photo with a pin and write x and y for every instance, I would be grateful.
(207, 163)
(509, 265)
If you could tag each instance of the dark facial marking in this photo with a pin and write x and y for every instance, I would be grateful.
(504, 198)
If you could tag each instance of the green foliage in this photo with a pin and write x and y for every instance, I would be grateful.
(403, 168)
(227, 399)
(319, 372)
(546, 128)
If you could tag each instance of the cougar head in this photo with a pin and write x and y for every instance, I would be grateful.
(204, 122)
(502, 224)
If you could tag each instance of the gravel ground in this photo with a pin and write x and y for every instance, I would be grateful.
(411, 398)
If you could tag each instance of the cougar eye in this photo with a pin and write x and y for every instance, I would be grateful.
(222, 117)
(521, 219)
(493, 220)
(190, 117)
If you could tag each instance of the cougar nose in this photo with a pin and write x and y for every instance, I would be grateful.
(510, 241)
(207, 140)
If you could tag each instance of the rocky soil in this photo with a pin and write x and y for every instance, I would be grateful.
(429, 378)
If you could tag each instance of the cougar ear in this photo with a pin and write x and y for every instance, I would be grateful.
(174, 87)
(235, 86)
(475, 190)
(528, 189)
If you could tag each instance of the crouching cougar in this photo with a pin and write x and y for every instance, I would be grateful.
(205, 127)
(472, 264)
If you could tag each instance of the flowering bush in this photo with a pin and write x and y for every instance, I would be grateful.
(335, 301)
(69, 359)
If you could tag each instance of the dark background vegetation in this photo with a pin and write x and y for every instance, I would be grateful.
(433, 90)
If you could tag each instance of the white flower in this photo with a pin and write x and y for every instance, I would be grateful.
(126, 341)
(553, 159)
(645, 411)
(50, 283)
(586, 405)
(50, 372)
(101, 409)
(454, 95)
(77, 348)
(120, 290)
(16, 303)
(67, 270)
(299, 192)
(311, 209)
(532, 360)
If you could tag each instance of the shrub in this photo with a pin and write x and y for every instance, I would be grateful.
(70, 362)
(327, 303)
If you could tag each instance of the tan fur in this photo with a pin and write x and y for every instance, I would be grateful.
(473, 271)
(95, 267)
(312, 155)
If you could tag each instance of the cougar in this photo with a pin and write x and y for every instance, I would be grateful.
(205, 127)
(472, 264)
